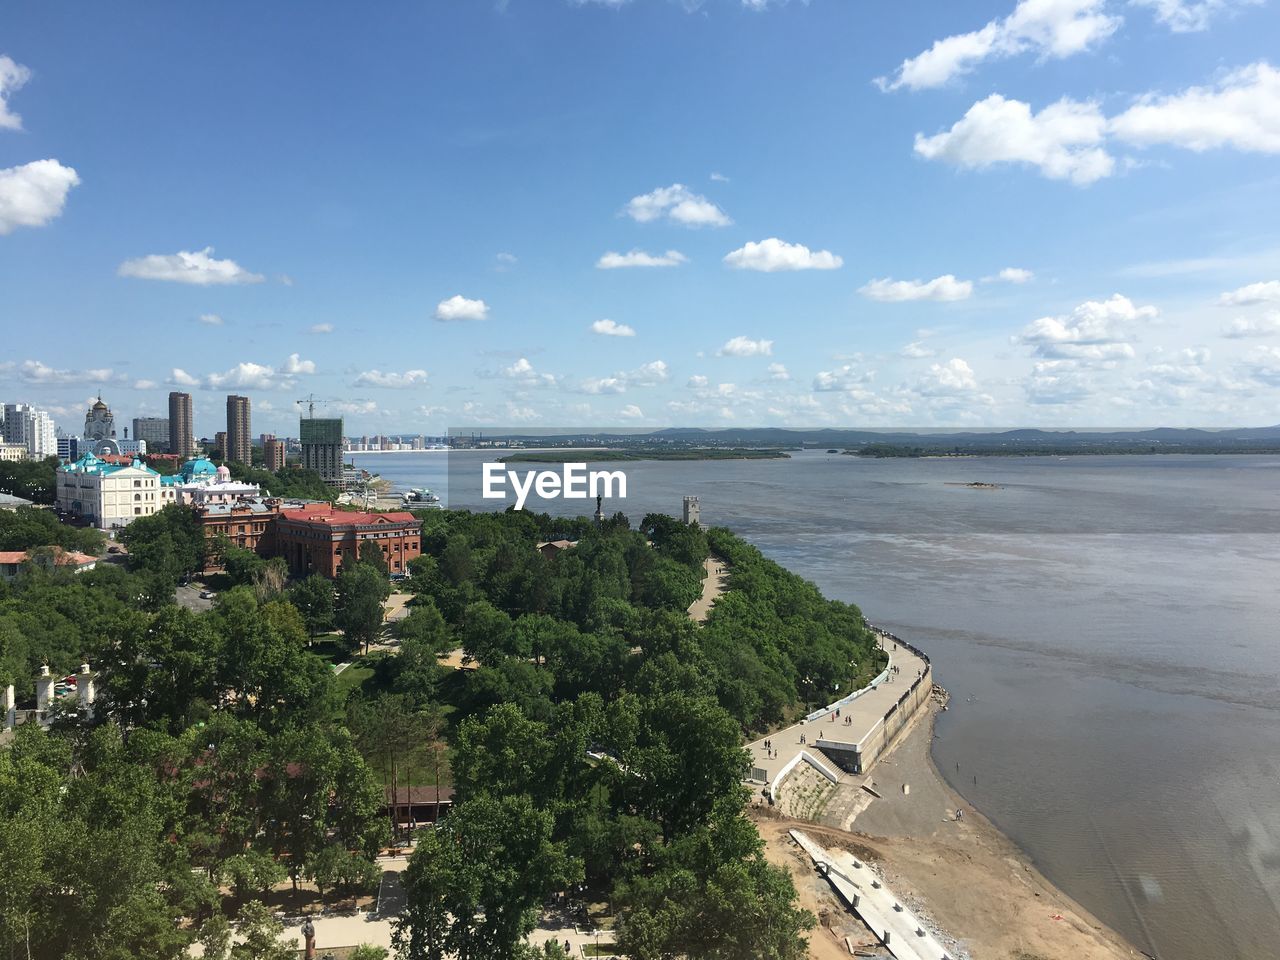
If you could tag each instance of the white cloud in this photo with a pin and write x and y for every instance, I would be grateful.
(1190, 16)
(1015, 275)
(198, 268)
(915, 350)
(1055, 382)
(145, 385)
(1049, 28)
(1094, 332)
(945, 288)
(320, 328)
(13, 76)
(522, 371)
(719, 178)
(1263, 365)
(506, 260)
(248, 375)
(745, 347)
(1064, 140)
(1242, 327)
(638, 258)
(611, 328)
(679, 204)
(1264, 292)
(1068, 139)
(778, 371)
(697, 382)
(391, 381)
(210, 319)
(1242, 111)
(631, 412)
(953, 378)
(772, 255)
(33, 194)
(459, 307)
(295, 365)
(36, 371)
(848, 378)
(646, 375)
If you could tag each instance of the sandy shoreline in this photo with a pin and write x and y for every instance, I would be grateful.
(968, 878)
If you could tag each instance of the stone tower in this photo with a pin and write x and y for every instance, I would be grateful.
(692, 515)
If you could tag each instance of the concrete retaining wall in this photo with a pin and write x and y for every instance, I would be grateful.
(880, 737)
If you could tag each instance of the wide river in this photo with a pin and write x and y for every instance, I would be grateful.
(1109, 629)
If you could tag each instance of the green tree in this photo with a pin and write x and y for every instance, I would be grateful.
(360, 592)
(261, 936)
(473, 886)
(314, 599)
(169, 543)
(371, 553)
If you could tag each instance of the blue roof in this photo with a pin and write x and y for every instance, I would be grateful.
(198, 467)
(91, 464)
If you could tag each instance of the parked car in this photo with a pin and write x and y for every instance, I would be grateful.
(207, 594)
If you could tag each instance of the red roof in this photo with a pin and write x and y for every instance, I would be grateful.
(60, 557)
(326, 514)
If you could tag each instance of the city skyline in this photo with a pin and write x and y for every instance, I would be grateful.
(1052, 213)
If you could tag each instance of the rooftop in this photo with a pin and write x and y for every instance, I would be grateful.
(326, 514)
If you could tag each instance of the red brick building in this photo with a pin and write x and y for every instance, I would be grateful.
(317, 538)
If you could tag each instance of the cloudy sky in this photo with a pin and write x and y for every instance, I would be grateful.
(651, 213)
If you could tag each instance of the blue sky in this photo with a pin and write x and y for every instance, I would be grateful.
(1052, 212)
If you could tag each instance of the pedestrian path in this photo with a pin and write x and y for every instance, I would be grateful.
(715, 575)
(856, 719)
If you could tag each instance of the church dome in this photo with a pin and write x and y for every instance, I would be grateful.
(224, 473)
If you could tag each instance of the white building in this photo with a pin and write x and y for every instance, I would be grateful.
(31, 427)
(107, 495)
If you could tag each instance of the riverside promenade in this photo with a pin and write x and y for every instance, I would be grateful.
(865, 715)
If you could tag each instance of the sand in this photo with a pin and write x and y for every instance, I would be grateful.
(976, 887)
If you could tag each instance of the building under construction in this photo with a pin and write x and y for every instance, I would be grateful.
(322, 447)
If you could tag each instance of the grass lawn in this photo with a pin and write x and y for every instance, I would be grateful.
(360, 671)
(604, 950)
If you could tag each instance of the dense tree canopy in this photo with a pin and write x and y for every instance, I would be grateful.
(592, 737)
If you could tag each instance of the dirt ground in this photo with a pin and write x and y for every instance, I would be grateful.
(965, 876)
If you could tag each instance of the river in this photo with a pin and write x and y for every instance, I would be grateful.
(1109, 628)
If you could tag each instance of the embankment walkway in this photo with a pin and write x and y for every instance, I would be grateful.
(864, 715)
(713, 583)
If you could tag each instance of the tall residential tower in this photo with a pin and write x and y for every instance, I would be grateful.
(182, 438)
(239, 446)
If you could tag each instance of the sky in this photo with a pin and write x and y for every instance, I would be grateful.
(644, 213)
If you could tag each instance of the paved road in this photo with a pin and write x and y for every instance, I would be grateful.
(189, 597)
(713, 583)
(862, 715)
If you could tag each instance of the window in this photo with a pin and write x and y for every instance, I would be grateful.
(137, 511)
(137, 496)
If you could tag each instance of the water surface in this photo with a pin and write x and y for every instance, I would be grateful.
(1109, 628)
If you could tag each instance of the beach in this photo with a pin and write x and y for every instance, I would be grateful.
(974, 885)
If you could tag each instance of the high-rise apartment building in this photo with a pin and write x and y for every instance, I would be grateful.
(322, 447)
(31, 427)
(239, 447)
(272, 452)
(182, 437)
(154, 431)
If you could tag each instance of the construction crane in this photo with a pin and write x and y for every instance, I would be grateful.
(311, 402)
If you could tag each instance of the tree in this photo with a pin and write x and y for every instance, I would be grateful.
(372, 554)
(314, 599)
(473, 886)
(169, 542)
(29, 527)
(359, 594)
(261, 936)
